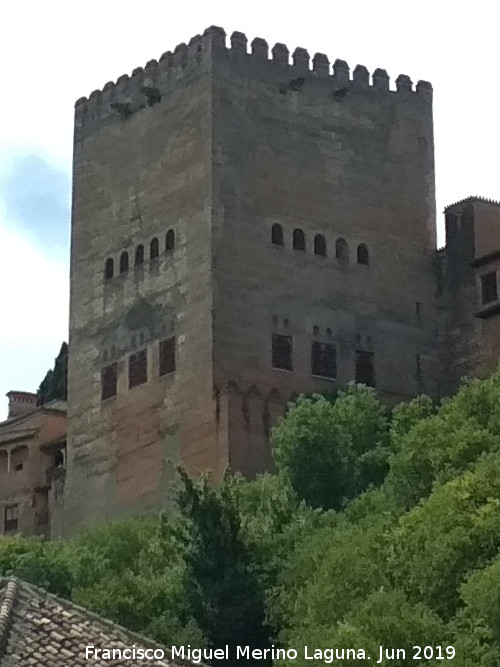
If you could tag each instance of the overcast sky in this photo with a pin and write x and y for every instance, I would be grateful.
(54, 52)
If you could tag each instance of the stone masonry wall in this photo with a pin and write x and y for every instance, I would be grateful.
(218, 143)
(334, 155)
(141, 167)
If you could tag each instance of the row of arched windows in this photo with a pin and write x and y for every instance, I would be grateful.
(319, 244)
(139, 255)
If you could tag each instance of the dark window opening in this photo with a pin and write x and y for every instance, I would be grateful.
(282, 352)
(109, 268)
(109, 381)
(277, 235)
(167, 356)
(489, 291)
(299, 240)
(10, 518)
(362, 254)
(324, 360)
(320, 245)
(341, 249)
(18, 458)
(170, 240)
(124, 262)
(365, 368)
(139, 255)
(137, 369)
(154, 249)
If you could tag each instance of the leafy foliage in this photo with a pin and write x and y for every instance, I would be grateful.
(332, 451)
(55, 383)
(378, 529)
(221, 585)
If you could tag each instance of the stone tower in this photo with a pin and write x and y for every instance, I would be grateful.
(469, 298)
(245, 227)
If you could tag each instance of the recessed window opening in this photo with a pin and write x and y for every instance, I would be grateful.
(109, 381)
(320, 245)
(282, 352)
(139, 255)
(365, 368)
(109, 268)
(362, 254)
(137, 368)
(124, 262)
(324, 360)
(154, 249)
(170, 240)
(299, 240)
(489, 290)
(277, 235)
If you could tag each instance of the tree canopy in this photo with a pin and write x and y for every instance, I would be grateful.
(55, 383)
(379, 528)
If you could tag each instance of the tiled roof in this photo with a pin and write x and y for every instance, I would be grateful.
(38, 629)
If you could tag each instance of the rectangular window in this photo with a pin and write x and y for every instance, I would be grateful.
(489, 290)
(324, 360)
(282, 352)
(10, 518)
(365, 368)
(167, 356)
(109, 380)
(138, 368)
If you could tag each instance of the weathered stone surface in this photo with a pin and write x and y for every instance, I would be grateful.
(234, 143)
(469, 330)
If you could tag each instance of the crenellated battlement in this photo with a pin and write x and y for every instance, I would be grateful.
(471, 200)
(146, 85)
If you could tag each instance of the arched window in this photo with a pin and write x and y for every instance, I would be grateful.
(139, 255)
(320, 245)
(299, 240)
(277, 234)
(154, 249)
(362, 254)
(341, 249)
(109, 268)
(170, 241)
(124, 262)
(18, 458)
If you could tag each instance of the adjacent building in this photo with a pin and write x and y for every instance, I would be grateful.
(32, 465)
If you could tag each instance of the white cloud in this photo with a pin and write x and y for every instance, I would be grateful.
(34, 303)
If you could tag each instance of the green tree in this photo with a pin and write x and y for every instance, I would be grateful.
(456, 530)
(333, 451)
(55, 383)
(222, 586)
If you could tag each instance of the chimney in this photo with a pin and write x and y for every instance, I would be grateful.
(20, 403)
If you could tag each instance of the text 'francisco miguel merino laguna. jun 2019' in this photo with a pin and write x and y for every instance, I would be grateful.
(326, 655)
